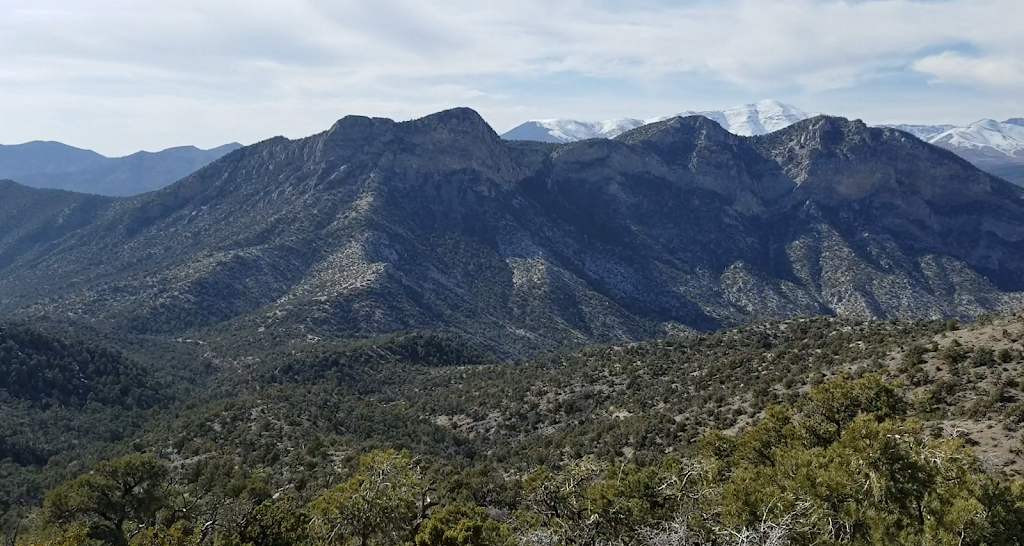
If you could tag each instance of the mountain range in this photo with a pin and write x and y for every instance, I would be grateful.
(996, 147)
(375, 226)
(747, 120)
(59, 166)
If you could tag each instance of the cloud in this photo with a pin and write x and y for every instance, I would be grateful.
(955, 67)
(247, 69)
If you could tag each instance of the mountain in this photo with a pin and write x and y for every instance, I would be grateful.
(761, 118)
(1008, 170)
(984, 140)
(375, 227)
(45, 157)
(748, 120)
(58, 166)
(568, 130)
(995, 147)
(923, 132)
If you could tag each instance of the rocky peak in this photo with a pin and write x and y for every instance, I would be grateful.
(678, 131)
(714, 159)
(685, 142)
(462, 127)
(836, 161)
(356, 129)
(354, 138)
(453, 145)
(455, 120)
(830, 134)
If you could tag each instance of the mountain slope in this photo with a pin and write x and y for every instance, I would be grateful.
(747, 120)
(32, 220)
(923, 132)
(1012, 171)
(376, 226)
(63, 400)
(988, 137)
(995, 147)
(57, 166)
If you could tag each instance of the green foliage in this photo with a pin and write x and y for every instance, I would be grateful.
(379, 505)
(425, 349)
(841, 466)
(65, 403)
(954, 354)
(856, 472)
(74, 536)
(831, 407)
(461, 525)
(589, 501)
(283, 522)
(120, 498)
(46, 370)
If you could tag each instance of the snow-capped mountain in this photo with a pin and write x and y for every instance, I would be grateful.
(982, 139)
(570, 130)
(923, 132)
(761, 118)
(988, 137)
(749, 119)
(993, 146)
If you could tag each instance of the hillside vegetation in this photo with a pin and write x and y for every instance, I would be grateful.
(64, 401)
(805, 431)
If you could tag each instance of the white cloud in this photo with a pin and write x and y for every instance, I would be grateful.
(955, 67)
(154, 74)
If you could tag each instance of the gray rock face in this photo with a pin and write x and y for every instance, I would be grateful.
(376, 226)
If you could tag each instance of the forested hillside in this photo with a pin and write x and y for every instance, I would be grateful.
(62, 402)
(807, 431)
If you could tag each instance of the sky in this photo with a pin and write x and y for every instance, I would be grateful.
(118, 76)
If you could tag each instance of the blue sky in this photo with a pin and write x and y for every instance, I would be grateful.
(122, 75)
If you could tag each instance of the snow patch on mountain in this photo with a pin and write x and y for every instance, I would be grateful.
(748, 120)
(923, 132)
(760, 118)
(987, 135)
